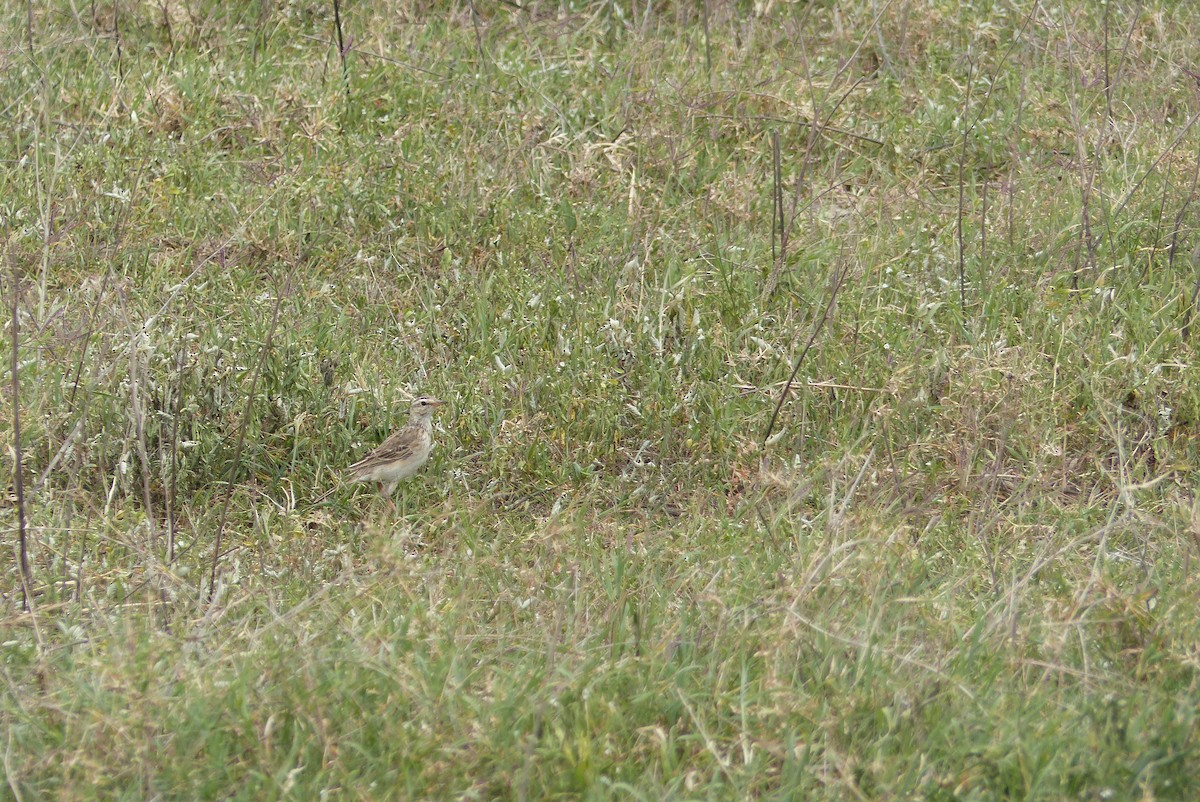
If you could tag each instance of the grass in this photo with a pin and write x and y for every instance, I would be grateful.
(959, 566)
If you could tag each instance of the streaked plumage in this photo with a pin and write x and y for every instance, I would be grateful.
(402, 454)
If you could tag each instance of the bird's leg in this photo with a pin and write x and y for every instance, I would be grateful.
(383, 492)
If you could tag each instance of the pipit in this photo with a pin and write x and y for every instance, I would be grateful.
(402, 454)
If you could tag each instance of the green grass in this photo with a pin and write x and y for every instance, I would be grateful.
(961, 568)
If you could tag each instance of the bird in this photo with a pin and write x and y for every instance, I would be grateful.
(402, 454)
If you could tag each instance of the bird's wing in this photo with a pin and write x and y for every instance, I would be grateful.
(399, 446)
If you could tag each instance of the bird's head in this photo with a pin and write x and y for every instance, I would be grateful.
(423, 407)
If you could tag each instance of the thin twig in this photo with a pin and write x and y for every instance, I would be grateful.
(962, 159)
(381, 57)
(483, 62)
(175, 413)
(237, 451)
(1170, 148)
(785, 121)
(1187, 199)
(839, 278)
(337, 24)
(18, 472)
(237, 232)
(983, 233)
(139, 425)
(814, 134)
(1158, 221)
(776, 203)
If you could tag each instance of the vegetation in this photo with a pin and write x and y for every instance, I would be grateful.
(954, 563)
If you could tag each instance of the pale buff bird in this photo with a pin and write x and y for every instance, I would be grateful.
(402, 454)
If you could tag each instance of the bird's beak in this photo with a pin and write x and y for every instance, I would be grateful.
(435, 403)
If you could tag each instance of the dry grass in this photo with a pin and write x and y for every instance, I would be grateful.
(959, 568)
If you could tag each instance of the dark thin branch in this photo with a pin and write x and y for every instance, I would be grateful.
(175, 413)
(117, 239)
(1158, 221)
(784, 120)
(483, 62)
(337, 24)
(777, 222)
(814, 134)
(1133, 23)
(139, 424)
(993, 82)
(1179, 217)
(983, 232)
(1108, 82)
(381, 57)
(1170, 149)
(18, 471)
(962, 159)
(1191, 311)
(839, 279)
(237, 451)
